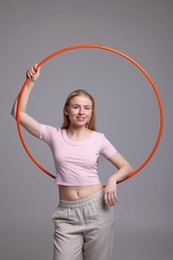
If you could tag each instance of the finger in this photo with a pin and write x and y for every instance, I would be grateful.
(30, 72)
(109, 199)
(33, 70)
(36, 68)
(112, 199)
(115, 197)
(106, 198)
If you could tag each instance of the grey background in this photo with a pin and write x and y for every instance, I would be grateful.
(127, 112)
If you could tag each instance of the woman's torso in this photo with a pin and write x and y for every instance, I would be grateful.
(78, 192)
(78, 160)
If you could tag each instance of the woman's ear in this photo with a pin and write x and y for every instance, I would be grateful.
(66, 113)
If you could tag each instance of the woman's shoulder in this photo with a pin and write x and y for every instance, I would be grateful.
(48, 130)
(99, 135)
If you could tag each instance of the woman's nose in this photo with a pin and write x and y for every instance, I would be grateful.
(81, 111)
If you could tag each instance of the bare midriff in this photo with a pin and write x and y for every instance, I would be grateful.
(78, 192)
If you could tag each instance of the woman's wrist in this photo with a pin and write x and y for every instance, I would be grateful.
(113, 178)
(31, 84)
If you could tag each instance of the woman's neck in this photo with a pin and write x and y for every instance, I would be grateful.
(78, 133)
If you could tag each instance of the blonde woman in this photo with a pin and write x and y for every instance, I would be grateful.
(84, 219)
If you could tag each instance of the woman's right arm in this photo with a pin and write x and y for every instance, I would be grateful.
(29, 123)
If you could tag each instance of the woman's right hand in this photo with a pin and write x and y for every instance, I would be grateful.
(33, 73)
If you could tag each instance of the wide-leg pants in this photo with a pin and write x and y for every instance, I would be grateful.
(86, 226)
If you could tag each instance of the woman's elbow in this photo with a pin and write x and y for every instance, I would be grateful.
(13, 113)
(130, 168)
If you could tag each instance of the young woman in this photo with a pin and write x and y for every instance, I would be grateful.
(84, 218)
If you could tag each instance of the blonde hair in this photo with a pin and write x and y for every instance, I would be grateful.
(80, 92)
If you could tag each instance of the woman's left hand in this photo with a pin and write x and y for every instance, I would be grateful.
(110, 193)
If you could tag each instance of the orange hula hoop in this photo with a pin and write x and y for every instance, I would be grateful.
(114, 51)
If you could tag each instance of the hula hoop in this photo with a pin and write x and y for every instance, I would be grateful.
(111, 50)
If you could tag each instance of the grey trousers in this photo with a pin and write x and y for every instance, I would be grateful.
(83, 226)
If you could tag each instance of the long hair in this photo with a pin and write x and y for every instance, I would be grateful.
(80, 92)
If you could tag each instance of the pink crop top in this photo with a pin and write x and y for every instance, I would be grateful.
(76, 161)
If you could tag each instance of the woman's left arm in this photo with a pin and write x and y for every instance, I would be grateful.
(124, 169)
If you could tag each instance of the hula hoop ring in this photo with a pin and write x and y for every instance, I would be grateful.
(124, 56)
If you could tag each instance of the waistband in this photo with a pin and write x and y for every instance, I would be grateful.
(82, 202)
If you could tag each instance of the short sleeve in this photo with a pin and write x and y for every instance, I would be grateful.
(46, 133)
(107, 149)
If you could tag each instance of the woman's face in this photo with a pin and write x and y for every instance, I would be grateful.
(79, 111)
